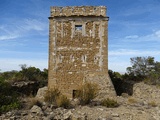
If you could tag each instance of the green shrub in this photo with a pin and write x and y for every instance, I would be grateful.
(52, 95)
(8, 97)
(8, 103)
(109, 103)
(87, 93)
(11, 106)
(63, 101)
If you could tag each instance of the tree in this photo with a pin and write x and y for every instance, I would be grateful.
(114, 75)
(141, 66)
(154, 75)
(144, 68)
(31, 74)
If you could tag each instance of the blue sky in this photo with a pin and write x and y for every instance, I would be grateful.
(134, 30)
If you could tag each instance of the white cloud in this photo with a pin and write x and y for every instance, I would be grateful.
(13, 64)
(122, 52)
(131, 37)
(7, 33)
(118, 66)
(151, 37)
(119, 59)
(33, 24)
(157, 33)
(155, 36)
(127, 52)
(24, 55)
(8, 37)
(22, 28)
(12, 43)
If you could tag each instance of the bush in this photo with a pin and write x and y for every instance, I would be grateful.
(56, 98)
(9, 98)
(87, 93)
(153, 78)
(52, 95)
(11, 106)
(8, 103)
(62, 101)
(109, 103)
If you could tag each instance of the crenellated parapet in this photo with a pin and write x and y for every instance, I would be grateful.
(78, 11)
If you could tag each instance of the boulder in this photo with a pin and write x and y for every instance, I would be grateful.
(67, 115)
(36, 109)
(41, 93)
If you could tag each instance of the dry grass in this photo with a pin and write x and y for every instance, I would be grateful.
(62, 101)
(152, 103)
(56, 98)
(31, 101)
(52, 95)
(109, 103)
(87, 93)
(132, 100)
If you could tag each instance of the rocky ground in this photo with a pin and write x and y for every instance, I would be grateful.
(144, 104)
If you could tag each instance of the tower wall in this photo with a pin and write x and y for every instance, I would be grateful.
(78, 49)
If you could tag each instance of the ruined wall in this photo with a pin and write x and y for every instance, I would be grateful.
(78, 11)
(78, 48)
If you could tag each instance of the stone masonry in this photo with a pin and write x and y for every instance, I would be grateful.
(78, 49)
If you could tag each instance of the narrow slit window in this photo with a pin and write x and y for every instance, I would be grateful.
(95, 59)
(84, 57)
(78, 27)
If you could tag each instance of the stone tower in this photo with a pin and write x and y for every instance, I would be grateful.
(78, 49)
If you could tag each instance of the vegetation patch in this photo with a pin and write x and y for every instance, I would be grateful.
(9, 98)
(52, 95)
(10, 94)
(31, 101)
(132, 100)
(152, 103)
(87, 93)
(55, 97)
(10, 106)
(109, 103)
(63, 101)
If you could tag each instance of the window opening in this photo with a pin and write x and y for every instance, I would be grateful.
(72, 58)
(95, 59)
(84, 57)
(78, 27)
